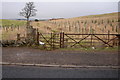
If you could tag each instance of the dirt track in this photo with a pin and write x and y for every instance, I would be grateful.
(30, 55)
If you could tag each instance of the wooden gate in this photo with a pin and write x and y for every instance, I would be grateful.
(50, 40)
(63, 40)
(89, 40)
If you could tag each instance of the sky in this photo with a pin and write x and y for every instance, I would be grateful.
(61, 0)
(54, 9)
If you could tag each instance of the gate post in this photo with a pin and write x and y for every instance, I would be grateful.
(63, 40)
(118, 35)
(51, 40)
(108, 35)
(37, 38)
(92, 40)
(60, 39)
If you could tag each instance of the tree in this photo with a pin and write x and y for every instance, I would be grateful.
(28, 11)
(36, 20)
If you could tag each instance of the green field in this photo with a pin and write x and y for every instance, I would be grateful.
(100, 15)
(5, 22)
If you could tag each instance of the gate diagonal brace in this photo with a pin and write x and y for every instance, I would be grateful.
(78, 41)
(111, 39)
(51, 37)
(103, 41)
(74, 40)
(45, 39)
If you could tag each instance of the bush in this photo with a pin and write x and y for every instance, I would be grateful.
(36, 20)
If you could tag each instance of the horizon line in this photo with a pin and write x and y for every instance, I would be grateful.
(60, 17)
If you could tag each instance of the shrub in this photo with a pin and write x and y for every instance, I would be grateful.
(36, 20)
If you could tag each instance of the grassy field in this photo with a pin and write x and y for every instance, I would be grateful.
(11, 28)
(5, 22)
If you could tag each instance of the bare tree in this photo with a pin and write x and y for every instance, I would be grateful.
(28, 11)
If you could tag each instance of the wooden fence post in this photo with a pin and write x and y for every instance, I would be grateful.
(91, 39)
(118, 40)
(118, 48)
(18, 37)
(18, 27)
(108, 35)
(60, 40)
(63, 40)
(51, 40)
(37, 38)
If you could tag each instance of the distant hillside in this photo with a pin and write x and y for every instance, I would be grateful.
(103, 23)
(101, 15)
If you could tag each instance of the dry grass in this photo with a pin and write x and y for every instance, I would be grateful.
(86, 24)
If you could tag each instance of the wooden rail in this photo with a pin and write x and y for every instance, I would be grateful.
(63, 39)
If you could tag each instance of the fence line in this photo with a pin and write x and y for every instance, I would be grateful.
(64, 40)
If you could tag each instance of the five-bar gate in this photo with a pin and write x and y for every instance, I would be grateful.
(65, 40)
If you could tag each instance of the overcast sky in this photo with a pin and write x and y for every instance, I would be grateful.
(45, 10)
